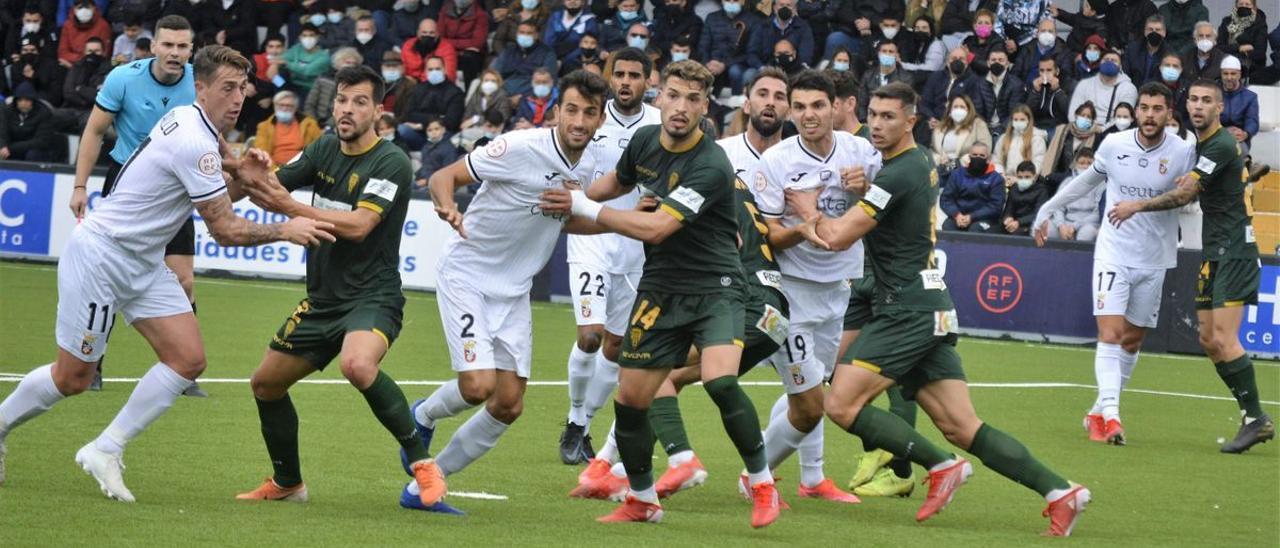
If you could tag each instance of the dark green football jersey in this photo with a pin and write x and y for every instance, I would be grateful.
(1227, 222)
(755, 253)
(696, 187)
(863, 131)
(377, 180)
(902, 200)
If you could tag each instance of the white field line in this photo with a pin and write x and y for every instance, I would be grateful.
(12, 377)
(481, 495)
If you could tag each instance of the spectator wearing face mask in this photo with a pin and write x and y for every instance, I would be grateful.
(887, 69)
(566, 26)
(973, 195)
(336, 30)
(1109, 88)
(1049, 95)
(1068, 139)
(507, 20)
(517, 63)
(386, 128)
(80, 88)
(40, 70)
(1174, 77)
(673, 19)
(369, 43)
(1007, 89)
(1079, 221)
(431, 98)
(1141, 60)
(1243, 33)
(1091, 21)
(465, 25)
(1021, 141)
(926, 55)
(959, 131)
(26, 127)
(306, 61)
(490, 129)
(1046, 44)
(489, 99)
(33, 27)
(1122, 120)
(956, 80)
(1018, 21)
(724, 42)
(784, 57)
(535, 108)
(1180, 18)
(614, 29)
(286, 132)
(1023, 200)
(399, 87)
(889, 29)
(984, 39)
(438, 151)
(427, 43)
(1090, 60)
(319, 102)
(85, 23)
(1206, 62)
(783, 25)
(588, 54)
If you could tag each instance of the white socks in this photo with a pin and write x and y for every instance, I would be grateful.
(609, 451)
(811, 473)
(649, 495)
(35, 394)
(475, 438)
(1106, 368)
(781, 439)
(445, 402)
(679, 458)
(603, 381)
(581, 369)
(154, 395)
(1127, 363)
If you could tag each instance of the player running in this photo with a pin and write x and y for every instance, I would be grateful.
(114, 261)
(1229, 271)
(1129, 260)
(911, 339)
(692, 292)
(488, 266)
(604, 269)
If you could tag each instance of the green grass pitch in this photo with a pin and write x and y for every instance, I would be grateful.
(1170, 486)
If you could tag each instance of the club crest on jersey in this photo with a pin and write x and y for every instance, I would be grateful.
(586, 307)
(496, 148)
(1142, 162)
(209, 164)
(1102, 300)
(352, 181)
(469, 351)
(760, 182)
(673, 180)
(797, 375)
(1164, 166)
(825, 175)
(636, 334)
(86, 345)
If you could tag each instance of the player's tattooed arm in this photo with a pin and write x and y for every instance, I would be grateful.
(228, 229)
(1186, 192)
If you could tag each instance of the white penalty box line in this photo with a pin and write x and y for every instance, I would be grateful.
(11, 377)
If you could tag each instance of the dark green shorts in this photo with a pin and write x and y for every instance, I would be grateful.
(1227, 283)
(759, 346)
(315, 333)
(861, 293)
(912, 348)
(664, 326)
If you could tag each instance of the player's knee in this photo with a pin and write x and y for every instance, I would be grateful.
(588, 341)
(1208, 342)
(73, 381)
(189, 367)
(806, 412)
(505, 411)
(958, 432)
(476, 390)
(840, 411)
(360, 371)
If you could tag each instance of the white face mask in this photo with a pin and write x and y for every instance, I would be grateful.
(889, 32)
(1047, 39)
(1019, 126)
(308, 42)
(364, 37)
(1024, 184)
(1204, 45)
(83, 15)
(487, 87)
(959, 114)
(30, 28)
(1123, 123)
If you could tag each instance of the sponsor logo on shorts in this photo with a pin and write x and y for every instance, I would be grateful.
(640, 356)
(586, 307)
(636, 334)
(469, 351)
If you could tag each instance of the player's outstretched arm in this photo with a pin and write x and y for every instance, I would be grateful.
(835, 234)
(262, 186)
(87, 157)
(442, 184)
(1187, 190)
(1071, 190)
(606, 188)
(228, 229)
(652, 227)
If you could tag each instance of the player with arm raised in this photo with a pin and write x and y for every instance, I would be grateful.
(354, 304)
(605, 268)
(114, 261)
(692, 291)
(1229, 271)
(1130, 259)
(911, 339)
(488, 266)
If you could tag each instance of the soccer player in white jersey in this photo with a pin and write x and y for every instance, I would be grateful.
(815, 281)
(604, 269)
(1129, 259)
(488, 267)
(114, 261)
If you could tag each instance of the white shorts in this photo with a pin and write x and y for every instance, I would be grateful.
(808, 356)
(1134, 293)
(485, 332)
(96, 279)
(602, 298)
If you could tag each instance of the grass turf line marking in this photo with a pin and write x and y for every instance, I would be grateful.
(11, 377)
(481, 495)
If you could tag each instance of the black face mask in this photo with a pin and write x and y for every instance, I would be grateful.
(785, 13)
(1243, 12)
(426, 44)
(997, 69)
(588, 53)
(784, 60)
(1154, 39)
(956, 67)
(977, 166)
(92, 58)
(573, 12)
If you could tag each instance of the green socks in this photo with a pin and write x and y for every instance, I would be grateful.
(664, 418)
(388, 404)
(635, 444)
(880, 429)
(280, 431)
(1238, 375)
(740, 420)
(1008, 457)
(906, 410)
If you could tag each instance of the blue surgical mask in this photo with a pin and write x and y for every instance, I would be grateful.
(1092, 55)
(524, 40)
(628, 15)
(529, 4)
(391, 76)
(732, 8)
(887, 60)
(284, 116)
(840, 66)
(677, 56)
(1109, 68)
(541, 90)
(650, 94)
(1083, 124)
(637, 42)
(435, 76)
(334, 17)
(317, 19)
(1170, 74)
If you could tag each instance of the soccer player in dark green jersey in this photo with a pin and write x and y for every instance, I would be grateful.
(693, 288)
(1229, 269)
(911, 338)
(354, 304)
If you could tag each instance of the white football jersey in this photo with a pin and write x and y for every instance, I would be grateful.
(509, 238)
(614, 253)
(1147, 239)
(175, 166)
(790, 165)
(741, 154)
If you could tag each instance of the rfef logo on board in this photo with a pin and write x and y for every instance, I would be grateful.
(999, 288)
(25, 205)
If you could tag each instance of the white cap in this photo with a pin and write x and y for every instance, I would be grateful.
(1230, 62)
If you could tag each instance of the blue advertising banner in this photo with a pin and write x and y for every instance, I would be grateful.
(26, 198)
(1260, 331)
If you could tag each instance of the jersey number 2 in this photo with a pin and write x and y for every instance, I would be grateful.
(586, 281)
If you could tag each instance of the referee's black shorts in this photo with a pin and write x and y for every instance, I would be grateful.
(183, 243)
